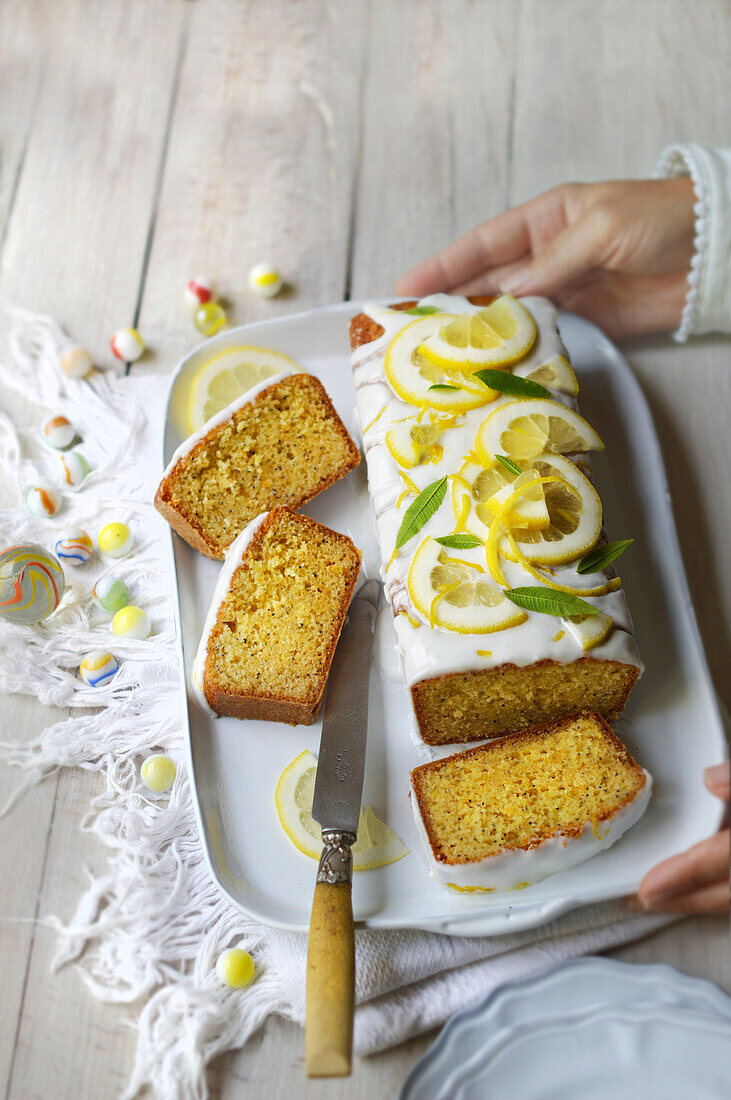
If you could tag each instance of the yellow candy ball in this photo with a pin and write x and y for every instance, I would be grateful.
(115, 540)
(236, 968)
(158, 772)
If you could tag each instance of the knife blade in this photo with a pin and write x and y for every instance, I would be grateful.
(336, 806)
(341, 763)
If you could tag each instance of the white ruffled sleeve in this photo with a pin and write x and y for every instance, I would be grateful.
(708, 305)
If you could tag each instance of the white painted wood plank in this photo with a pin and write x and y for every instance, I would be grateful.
(20, 73)
(260, 164)
(601, 88)
(75, 246)
(75, 243)
(437, 106)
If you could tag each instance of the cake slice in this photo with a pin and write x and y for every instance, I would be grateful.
(275, 619)
(476, 664)
(281, 443)
(509, 813)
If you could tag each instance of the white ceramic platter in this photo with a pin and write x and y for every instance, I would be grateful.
(672, 722)
(592, 1027)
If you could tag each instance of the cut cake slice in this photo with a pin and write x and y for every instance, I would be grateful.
(281, 443)
(507, 814)
(275, 619)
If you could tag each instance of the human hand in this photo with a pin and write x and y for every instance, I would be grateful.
(695, 881)
(618, 253)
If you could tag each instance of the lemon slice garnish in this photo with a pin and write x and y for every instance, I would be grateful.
(590, 630)
(496, 336)
(376, 845)
(411, 376)
(575, 513)
(530, 427)
(411, 446)
(227, 376)
(456, 594)
(556, 374)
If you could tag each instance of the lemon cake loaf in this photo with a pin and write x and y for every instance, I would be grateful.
(508, 612)
(511, 812)
(280, 443)
(275, 618)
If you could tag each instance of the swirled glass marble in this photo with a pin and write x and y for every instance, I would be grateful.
(31, 583)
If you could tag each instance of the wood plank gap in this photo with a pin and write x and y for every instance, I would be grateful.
(31, 947)
(357, 159)
(157, 190)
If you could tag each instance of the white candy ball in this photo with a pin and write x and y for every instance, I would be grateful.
(57, 432)
(198, 291)
(127, 345)
(43, 500)
(74, 467)
(76, 362)
(265, 280)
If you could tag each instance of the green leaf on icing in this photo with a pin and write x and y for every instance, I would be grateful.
(603, 556)
(505, 382)
(509, 465)
(421, 510)
(459, 541)
(549, 602)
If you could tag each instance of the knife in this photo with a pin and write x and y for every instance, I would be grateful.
(330, 998)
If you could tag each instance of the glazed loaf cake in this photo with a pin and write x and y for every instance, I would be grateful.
(475, 662)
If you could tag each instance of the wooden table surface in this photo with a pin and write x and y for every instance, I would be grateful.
(143, 141)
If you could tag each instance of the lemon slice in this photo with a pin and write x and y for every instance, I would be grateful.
(413, 445)
(455, 594)
(376, 845)
(590, 630)
(530, 509)
(496, 336)
(529, 427)
(556, 374)
(227, 376)
(575, 517)
(411, 376)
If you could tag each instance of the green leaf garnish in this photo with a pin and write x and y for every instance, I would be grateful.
(443, 386)
(602, 556)
(421, 311)
(421, 510)
(549, 602)
(459, 541)
(509, 465)
(505, 382)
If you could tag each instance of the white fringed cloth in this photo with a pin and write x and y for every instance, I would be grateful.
(148, 931)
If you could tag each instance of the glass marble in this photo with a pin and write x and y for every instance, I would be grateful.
(31, 583)
(209, 318)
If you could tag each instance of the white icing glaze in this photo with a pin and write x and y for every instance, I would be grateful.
(516, 867)
(429, 652)
(225, 414)
(232, 560)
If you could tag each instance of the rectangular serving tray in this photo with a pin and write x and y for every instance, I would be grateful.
(671, 724)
